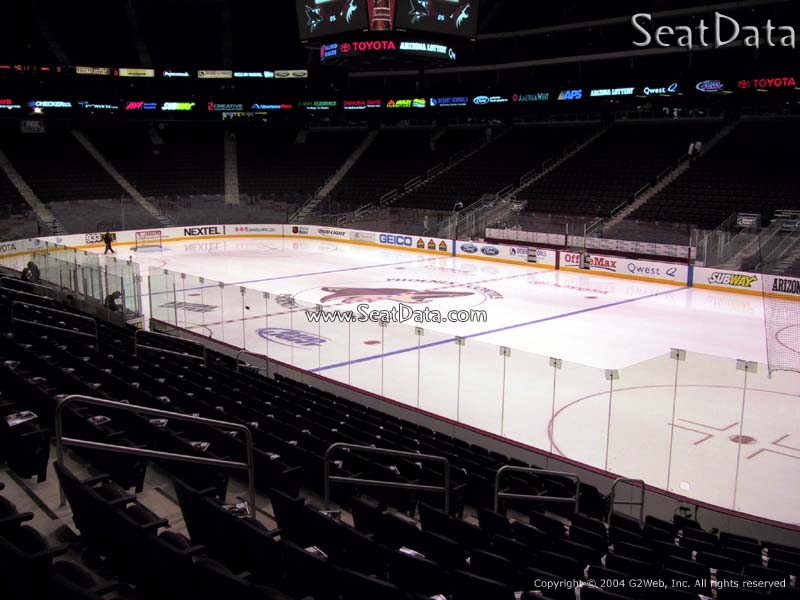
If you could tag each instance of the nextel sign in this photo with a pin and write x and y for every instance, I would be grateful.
(193, 231)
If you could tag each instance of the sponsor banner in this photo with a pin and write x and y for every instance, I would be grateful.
(319, 104)
(450, 101)
(728, 281)
(710, 86)
(292, 74)
(241, 230)
(177, 106)
(292, 337)
(136, 72)
(364, 236)
(215, 74)
(95, 106)
(50, 104)
(660, 90)
(177, 233)
(628, 246)
(253, 74)
(106, 71)
(332, 233)
(97, 238)
(221, 107)
(413, 242)
(660, 272)
(141, 105)
(504, 253)
(203, 231)
(606, 92)
(15, 246)
(783, 286)
(361, 104)
(533, 97)
(407, 103)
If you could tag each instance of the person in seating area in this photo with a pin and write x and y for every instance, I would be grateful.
(111, 301)
(31, 273)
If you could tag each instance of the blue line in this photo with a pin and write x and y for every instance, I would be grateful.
(505, 328)
(406, 262)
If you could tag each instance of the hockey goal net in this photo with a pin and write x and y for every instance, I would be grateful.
(148, 239)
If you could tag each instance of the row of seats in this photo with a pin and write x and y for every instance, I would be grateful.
(397, 156)
(136, 545)
(56, 167)
(513, 154)
(293, 424)
(751, 170)
(614, 167)
(28, 565)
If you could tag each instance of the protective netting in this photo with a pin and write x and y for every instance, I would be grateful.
(782, 321)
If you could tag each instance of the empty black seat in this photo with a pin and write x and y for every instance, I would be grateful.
(467, 586)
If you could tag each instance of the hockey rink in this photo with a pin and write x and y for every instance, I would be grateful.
(693, 423)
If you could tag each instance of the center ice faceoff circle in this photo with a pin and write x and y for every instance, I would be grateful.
(383, 294)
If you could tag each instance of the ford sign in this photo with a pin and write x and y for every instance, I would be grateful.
(291, 337)
(481, 100)
(490, 251)
(469, 248)
(710, 85)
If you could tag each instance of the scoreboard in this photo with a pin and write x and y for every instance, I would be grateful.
(322, 18)
(446, 17)
(328, 18)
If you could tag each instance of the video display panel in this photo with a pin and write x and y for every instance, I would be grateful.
(449, 17)
(381, 14)
(320, 18)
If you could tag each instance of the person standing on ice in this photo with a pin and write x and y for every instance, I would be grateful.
(107, 239)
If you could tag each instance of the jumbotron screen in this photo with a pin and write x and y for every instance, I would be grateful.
(381, 14)
(447, 17)
(321, 18)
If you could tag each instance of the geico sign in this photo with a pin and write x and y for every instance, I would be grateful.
(192, 231)
(396, 240)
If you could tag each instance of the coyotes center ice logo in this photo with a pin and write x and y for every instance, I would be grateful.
(385, 294)
(345, 295)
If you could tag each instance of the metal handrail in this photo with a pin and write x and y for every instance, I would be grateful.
(241, 352)
(36, 285)
(61, 440)
(619, 209)
(612, 495)
(96, 335)
(664, 173)
(137, 345)
(386, 484)
(37, 296)
(498, 495)
(642, 190)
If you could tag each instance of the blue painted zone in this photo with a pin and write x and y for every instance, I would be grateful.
(499, 329)
(690, 280)
(405, 262)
